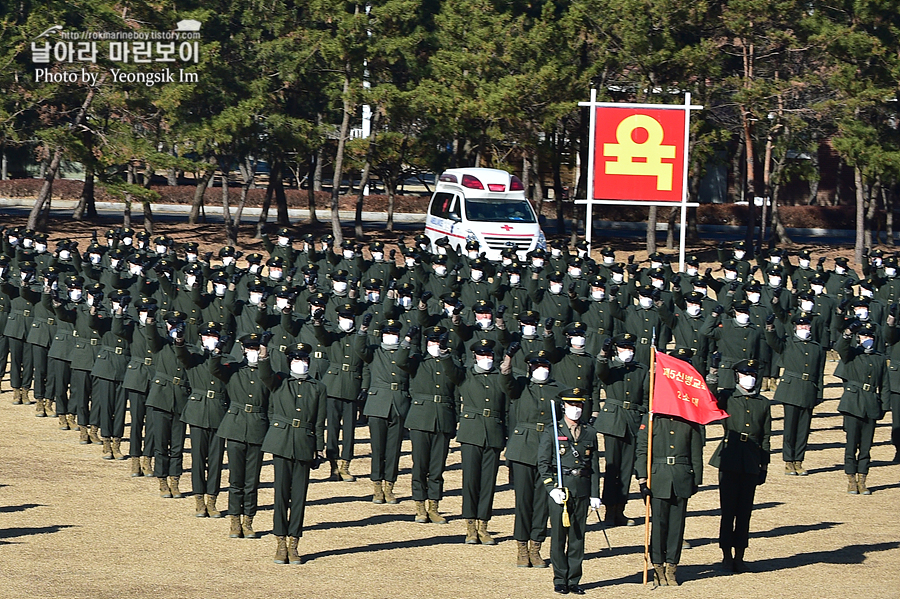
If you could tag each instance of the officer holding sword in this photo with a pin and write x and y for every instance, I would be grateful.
(569, 466)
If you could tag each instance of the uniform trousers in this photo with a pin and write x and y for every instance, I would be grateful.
(42, 389)
(479, 480)
(60, 375)
(567, 543)
(386, 437)
(80, 395)
(341, 428)
(531, 503)
(291, 482)
(736, 492)
(860, 433)
(167, 431)
(895, 418)
(109, 399)
(667, 529)
(797, 422)
(21, 360)
(137, 406)
(207, 453)
(429, 458)
(4, 354)
(619, 454)
(244, 465)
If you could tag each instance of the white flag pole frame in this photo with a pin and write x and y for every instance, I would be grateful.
(590, 202)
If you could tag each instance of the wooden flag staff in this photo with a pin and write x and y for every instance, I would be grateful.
(649, 463)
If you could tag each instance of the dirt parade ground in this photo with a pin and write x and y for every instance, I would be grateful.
(75, 526)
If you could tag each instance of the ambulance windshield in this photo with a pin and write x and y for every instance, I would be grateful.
(484, 210)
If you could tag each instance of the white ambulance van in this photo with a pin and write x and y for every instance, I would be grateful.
(486, 205)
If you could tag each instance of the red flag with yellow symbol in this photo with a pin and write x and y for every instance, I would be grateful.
(679, 390)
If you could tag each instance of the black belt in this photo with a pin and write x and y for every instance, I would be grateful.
(583, 472)
(250, 408)
(487, 413)
(671, 461)
(538, 426)
(628, 405)
(802, 376)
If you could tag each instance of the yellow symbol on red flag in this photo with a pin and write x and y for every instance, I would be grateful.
(651, 151)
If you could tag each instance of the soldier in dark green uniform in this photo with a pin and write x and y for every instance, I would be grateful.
(22, 300)
(296, 440)
(60, 353)
(742, 459)
(136, 384)
(675, 475)
(110, 365)
(244, 428)
(867, 390)
(482, 435)
(530, 398)
(579, 463)
(574, 367)
(431, 420)
(892, 341)
(627, 386)
(800, 388)
(736, 339)
(387, 402)
(39, 339)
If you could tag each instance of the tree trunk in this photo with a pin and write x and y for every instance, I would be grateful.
(148, 209)
(267, 202)
(310, 188)
(320, 159)
(280, 199)
(126, 214)
(670, 234)
(887, 197)
(872, 194)
(339, 163)
(391, 191)
(526, 174)
(4, 165)
(751, 179)
(249, 175)
(86, 205)
(226, 209)
(557, 186)
(364, 177)
(651, 230)
(814, 181)
(200, 191)
(538, 197)
(779, 233)
(860, 215)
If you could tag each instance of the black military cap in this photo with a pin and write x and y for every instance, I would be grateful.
(346, 310)
(556, 276)
(161, 240)
(617, 268)
(868, 329)
(421, 238)
(451, 297)
(443, 242)
(692, 260)
(775, 269)
(860, 302)
(575, 329)
(694, 298)
(528, 317)
(645, 291)
(657, 257)
(699, 282)
(868, 283)
(405, 289)
(376, 246)
(509, 252)
(581, 245)
(40, 237)
(625, 340)
(472, 244)
(347, 244)
(483, 307)
(191, 246)
(251, 340)
(218, 276)
(254, 258)
(327, 238)
(146, 304)
(483, 346)
(117, 254)
(111, 233)
(435, 333)
(318, 299)
(51, 272)
(890, 261)
(175, 316)
(479, 264)
(308, 238)
(192, 269)
(211, 328)
(256, 285)
(538, 357)
(538, 253)
(391, 325)
(805, 254)
(372, 284)
(657, 273)
(806, 295)
(753, 286)
(876, 253)
(127, 232)
(27, 266)
(142, 236)
(75, 282)
(747, 366)
(283, 291)
(802, 318)
(558, 244)
(607, 251)
(283, 232)
(118, 294)
(598, 281)
(841, 260)
(741, 305)
(575, 261)
(227, 250)
(575, 395)
(310, 269)
(339, 275)
(683, 353)
(275, 262)
(817, 279)
(740, 245)
(439, 260)
(4, 259)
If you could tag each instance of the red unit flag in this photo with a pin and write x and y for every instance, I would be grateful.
(679, 390)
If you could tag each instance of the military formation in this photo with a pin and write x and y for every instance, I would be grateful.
(526, 361)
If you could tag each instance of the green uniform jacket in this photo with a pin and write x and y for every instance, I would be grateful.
(627, 395)
(343, 379)
(482, 408)
(802, 380)
(21, 312)
(748, 433)
(389, 384)
(677, 469)
(114, 352)
(641, 322)
(734, 342)
(247, 418)
(572, 369)
(296, 415)
(207, 402)
(580, 460)
(43, 325)
(867, 385)
(140, 367)
(168, 386)
(892, 340)
(530, 410)
(600, 318)
(63, 345)
(87, 339)
(432, 390)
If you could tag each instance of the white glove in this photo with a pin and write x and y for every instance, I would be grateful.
(558, 495)
(596, 503)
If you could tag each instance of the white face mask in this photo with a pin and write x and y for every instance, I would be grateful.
(803, 334)
(693, 310)
(283, 241)
(346, 324)
(173, 332)
(255, 298)
(127, 240)
(555, 288)
(372, 297)
(94, 258)
(348, 254)
(377, 256)
(434, 349)
(276, 274)
(410, 262)
(190, 280)
(555, 252)
(747, 381)
(135, 270)
(65, 255)
(27, 243)
(483, 322)
(228, 260)
(657, 283)
(774, 281)
(210, 342)
(609, 260)
(113, 262)
(506, 261)
(742, 318)
(142, 317)
(618, 278)
(299, 367)
(537, 263)
(441, 251)
(191, 257)
(281, 303)
(739, 254)
(75, 295)
(116, 306)
(804, 263)
(252, 356)
(541, 374)
(775, 259)
(514, 280)
(529, 330)
(573, 413)
(626, 355)
(867, 344)
(597, 294)
(840, 270)
(645, 302)
(472, 254)
(890, 271)
(440, 270)
(730, 275)
(753, 297)
(40, 247)
(700, 290)
(485, 362)
(390, 339)
(862, 314)
(405, 301)
(691, 271)
(253, 268)
(817, 289)
(340, 286)
(448, 310)
(476, 275)
(806, 305)
(577, 341)
(575, 272)
(90, 300)
(866, 292)
(161, 249)
(655, 264)
(219, 289)
(13, 240)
